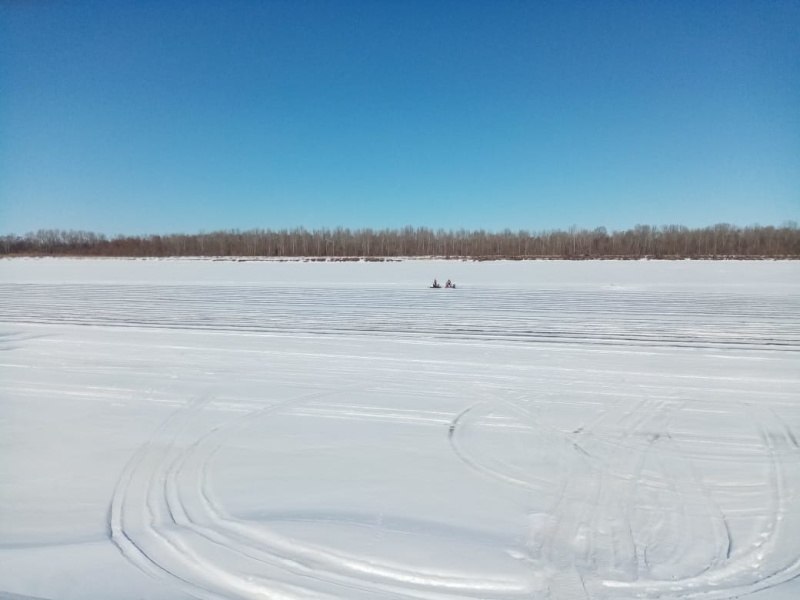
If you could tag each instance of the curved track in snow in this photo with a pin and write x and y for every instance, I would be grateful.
(634, 517)
(165, 521)
(581, 442)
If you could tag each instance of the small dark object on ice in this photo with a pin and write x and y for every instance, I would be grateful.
(437, 285)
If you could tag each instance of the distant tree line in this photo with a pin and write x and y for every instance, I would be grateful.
(672, 241)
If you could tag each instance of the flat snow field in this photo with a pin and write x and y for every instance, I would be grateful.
(174, 429)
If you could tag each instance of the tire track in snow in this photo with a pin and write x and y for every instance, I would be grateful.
(742, 573)
(168, 491)
(159, 544)
(348, 569)
(121, 534)
(773, 558)
(603, 317)
(162, 553)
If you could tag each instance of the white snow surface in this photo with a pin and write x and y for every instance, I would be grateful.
(174, 429)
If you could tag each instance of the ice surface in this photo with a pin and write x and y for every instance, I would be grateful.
(172, 429)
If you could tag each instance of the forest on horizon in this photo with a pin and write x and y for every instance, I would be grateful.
(643, 241)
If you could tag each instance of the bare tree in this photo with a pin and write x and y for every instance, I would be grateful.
(671, 241)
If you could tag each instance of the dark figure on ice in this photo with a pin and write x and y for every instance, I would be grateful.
(436, 284)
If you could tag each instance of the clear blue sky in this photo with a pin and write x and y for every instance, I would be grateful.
(159, 116)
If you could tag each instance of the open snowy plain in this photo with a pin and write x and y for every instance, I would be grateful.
(174, 429)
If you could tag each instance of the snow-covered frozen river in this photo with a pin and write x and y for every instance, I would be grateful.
(174, 429)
